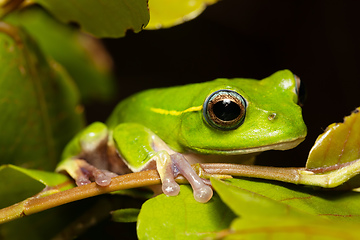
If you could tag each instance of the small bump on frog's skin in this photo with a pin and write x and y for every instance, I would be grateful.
(272, 116)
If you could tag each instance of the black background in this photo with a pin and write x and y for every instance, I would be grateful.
(317, 40)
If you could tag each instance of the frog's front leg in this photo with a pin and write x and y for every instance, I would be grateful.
(86, 157)
(202, 192)
(142, 150)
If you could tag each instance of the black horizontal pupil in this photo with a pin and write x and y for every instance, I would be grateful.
(226, 110)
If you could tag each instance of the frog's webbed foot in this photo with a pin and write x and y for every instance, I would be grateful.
(169, 169)
(84, 173)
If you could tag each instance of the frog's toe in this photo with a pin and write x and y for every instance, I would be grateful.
(202, 192)
(84, 173)
(103, 177)
(167, 172)
(82, 180)
(170, 187)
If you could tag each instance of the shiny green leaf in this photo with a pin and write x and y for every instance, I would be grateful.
(253, 202)
(267, 210)
(182, 217)
(39, 103)
(270, 198)
(110, 18)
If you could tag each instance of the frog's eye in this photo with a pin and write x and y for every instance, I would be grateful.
(300, 91)
(224, 109)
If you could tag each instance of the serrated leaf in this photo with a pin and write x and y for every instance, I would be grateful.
(340, 143)
(182, 217)
(166, 14)
(39, 104)
(83, 56)
(110, 18)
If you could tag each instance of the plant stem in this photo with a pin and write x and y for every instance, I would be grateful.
(38, 204)
(151, 177)
(290, 175)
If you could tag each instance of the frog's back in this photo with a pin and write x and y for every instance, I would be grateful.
(162, 107)
(163, 104)
(146, 107)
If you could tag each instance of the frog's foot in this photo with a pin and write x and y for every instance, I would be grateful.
(84, 173)
(169, 169)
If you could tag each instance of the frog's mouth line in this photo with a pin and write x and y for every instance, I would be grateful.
(278, 146)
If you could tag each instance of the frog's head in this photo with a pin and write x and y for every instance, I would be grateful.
(240, 116)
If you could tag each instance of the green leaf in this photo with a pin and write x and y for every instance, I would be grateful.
(126, 215)
(272, 198)
(22, 183)
(253, 203)
(290, 228)
(268, 210)
(339, 144)
(49, 179)
(166, 14)
(182, 217)
(83, 56)
(39, 103)
(18, 186)
(110, 18)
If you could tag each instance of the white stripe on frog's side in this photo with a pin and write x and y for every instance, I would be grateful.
(175, 112)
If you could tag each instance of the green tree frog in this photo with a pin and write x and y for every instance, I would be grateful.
(170, 128)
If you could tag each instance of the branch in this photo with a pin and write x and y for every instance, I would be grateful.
(328, 179)
(37, 204)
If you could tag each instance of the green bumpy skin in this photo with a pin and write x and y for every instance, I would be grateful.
(161, 128)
